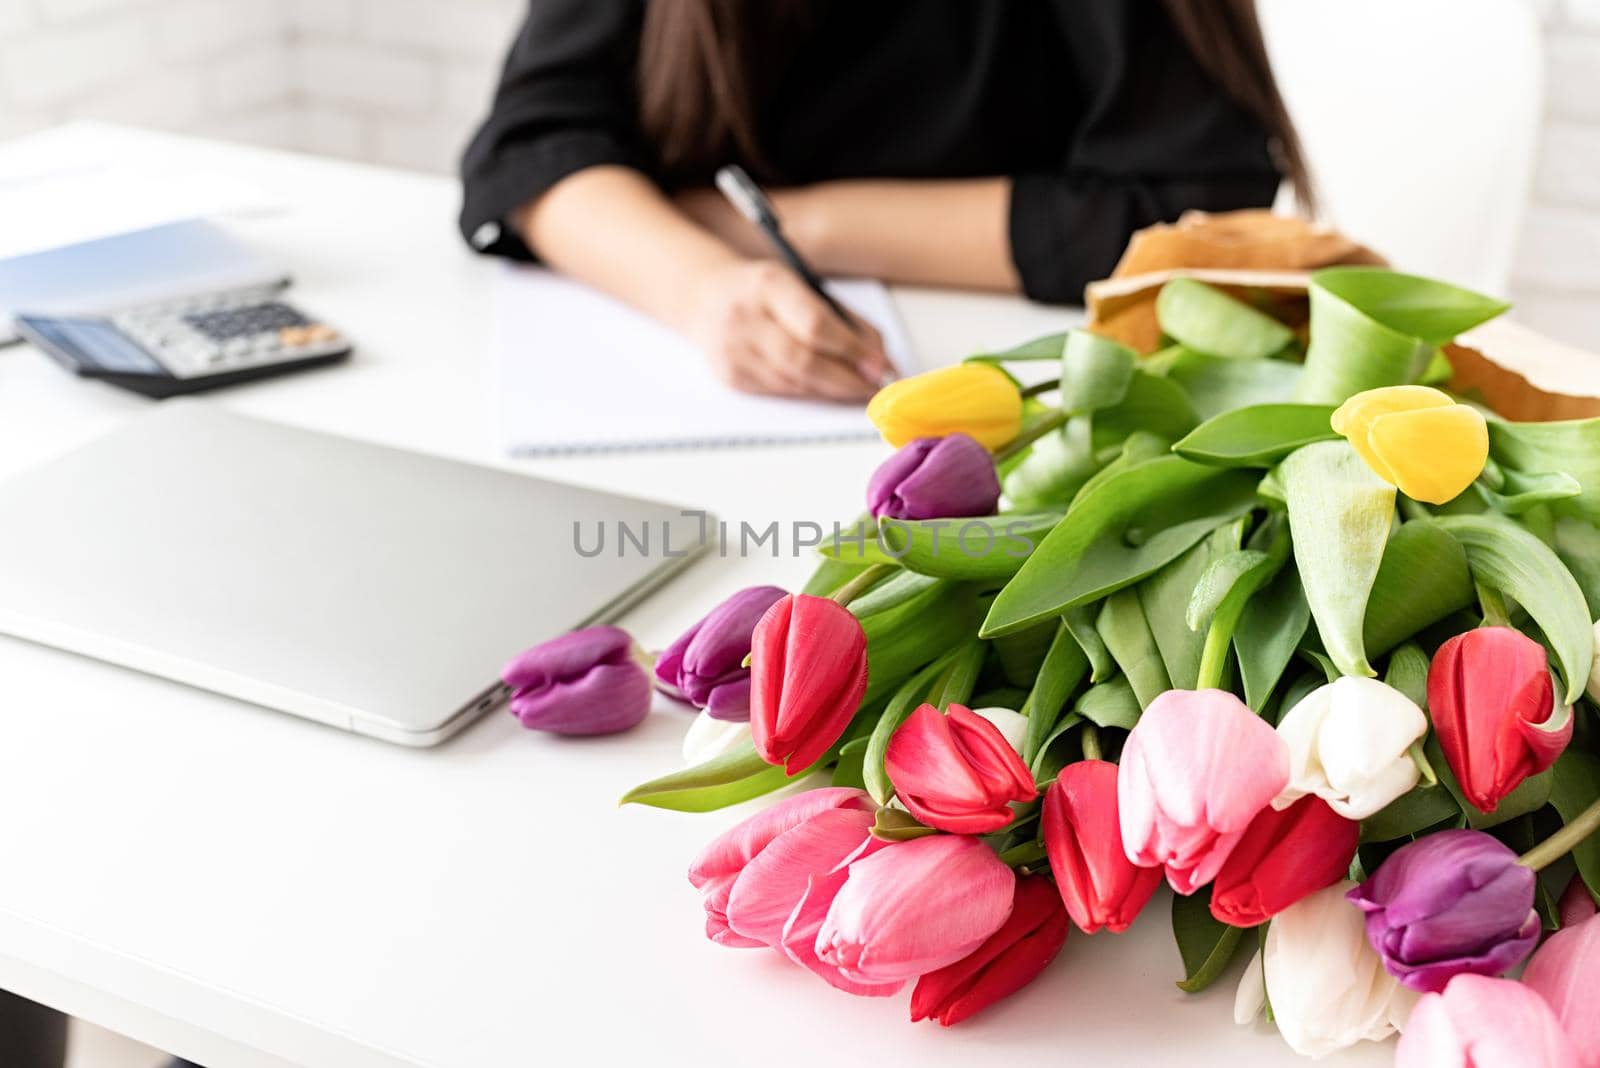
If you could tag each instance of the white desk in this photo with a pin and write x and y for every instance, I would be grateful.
(252, 891)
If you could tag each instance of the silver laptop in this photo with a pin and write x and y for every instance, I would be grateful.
(373, 589)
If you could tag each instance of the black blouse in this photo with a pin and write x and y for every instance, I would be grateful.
(1094, 107)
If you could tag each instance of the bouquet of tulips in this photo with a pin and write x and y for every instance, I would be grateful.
(1267, 613)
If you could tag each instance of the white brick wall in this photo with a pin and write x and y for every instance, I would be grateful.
(403, 82)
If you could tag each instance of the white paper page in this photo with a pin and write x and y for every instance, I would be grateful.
(580, 371)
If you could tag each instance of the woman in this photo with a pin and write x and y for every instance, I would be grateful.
(1008, 145)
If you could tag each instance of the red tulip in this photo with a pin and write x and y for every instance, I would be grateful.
(1284, 856)
(808, 670)
(1012, 958)
(1491, 697)
(1100, 886)
(956, 772)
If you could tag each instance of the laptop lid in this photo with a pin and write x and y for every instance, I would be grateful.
(366, 587)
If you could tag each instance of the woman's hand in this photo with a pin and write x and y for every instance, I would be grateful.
(765, 331)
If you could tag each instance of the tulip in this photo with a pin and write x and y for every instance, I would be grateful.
(1416, 439)
(1012, 725)
(1012, 958)
(1566, 973)
(956, 772)
(1195, 771)
(590, 681)
(1478, 1021)
(705, 665)
(1082, 837)
(1327, 987)
(1285, 855)
(708, 738)
(931, 478)
(1453, 902)
(1493, 701)
(976, 399)
(724, 862)
(1349, 744)
(808, 670)
(1577, 903)
(914, 908)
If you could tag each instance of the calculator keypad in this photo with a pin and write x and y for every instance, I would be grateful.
(219, 333)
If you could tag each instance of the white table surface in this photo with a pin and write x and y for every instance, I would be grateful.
(253, 891)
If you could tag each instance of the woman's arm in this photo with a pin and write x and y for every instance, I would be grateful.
(916, 232)
(762, 328)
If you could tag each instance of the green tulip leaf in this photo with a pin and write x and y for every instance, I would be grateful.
(830, 574)
(1340, 514)
(1045, 347)
(1423, 578)
(856, 546)
(1577, 542)
(903, 639)
(1126, 632)
(1576, 786)
(1518, 492)
(955, 684)
(1126, 528)
(1110, 704)
(1021, 653)
(1153, 406)
(1063, 669)
(1269, 631)
(1216, 384)
(1205, 319)
(1570, 447)
(911, 693)
(1218, 580)
(1408, 673)
(1506, 558)
(736, 776)
(1165, 598)
(1257, 436)
(1095, 372)
(986, 547)
(1206, 945)
(1410, 813)
(1052, 471)
(847, 772)
(1372, 327)
(1045, 764)
(893, 592)
(1079, 619)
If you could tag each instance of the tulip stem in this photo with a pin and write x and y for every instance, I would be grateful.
(1420, 759)
(862, 583)
(1091, 742)
(1030, 434)
(1565, 840)
(1494, 607)
(1042, 387)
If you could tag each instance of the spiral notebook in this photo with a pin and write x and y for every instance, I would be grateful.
(582, 372)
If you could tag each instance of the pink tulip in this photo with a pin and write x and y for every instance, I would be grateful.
(1484, 1022)
(1566, 972)
(1195, 771)
(1576, 904)
(956, 772)
(718, 867)
(914, 908)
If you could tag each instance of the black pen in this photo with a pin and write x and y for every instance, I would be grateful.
(748, 200)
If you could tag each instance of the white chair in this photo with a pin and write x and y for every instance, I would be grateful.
(1420, 122)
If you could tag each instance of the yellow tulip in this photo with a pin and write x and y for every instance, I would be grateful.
(976, 399)
(1417, 439)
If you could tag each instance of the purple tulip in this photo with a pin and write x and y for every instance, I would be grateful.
(1450, 903)
(935, 478)
(586, 682)
(703, 667)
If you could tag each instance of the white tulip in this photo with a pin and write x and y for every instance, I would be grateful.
(1013, 726)
(1326, 984)
(1594, 672)
(1348, 744)
(708, 738)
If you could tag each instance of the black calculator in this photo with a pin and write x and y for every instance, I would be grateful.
(191, 344)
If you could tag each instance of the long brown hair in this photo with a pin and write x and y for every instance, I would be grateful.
(705, 66)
